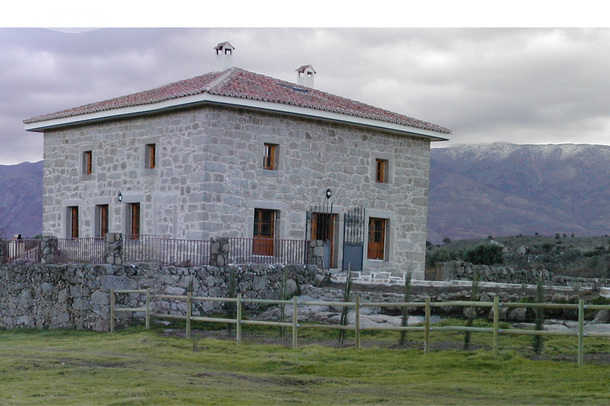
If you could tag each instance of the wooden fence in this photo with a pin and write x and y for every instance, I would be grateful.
(239, 321)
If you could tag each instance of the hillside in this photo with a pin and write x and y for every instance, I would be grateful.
(506, 189)
(561, 254)
(21, 199)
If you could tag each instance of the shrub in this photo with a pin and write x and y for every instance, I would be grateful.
(548, 246)
(485, 254)
(437, 256)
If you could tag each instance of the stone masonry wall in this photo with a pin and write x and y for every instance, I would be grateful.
(78, 296)
(209, 177)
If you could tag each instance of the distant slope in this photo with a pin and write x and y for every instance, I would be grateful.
(21, 199)
(506, 189)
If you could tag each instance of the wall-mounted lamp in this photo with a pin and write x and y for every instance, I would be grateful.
(329, 193)
(120, 197)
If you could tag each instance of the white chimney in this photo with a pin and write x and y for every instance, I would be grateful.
(305, 75)
(224, 50)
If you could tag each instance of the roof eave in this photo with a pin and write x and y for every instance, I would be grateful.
(204, 98)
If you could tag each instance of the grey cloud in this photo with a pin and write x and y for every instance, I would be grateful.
(513, 85)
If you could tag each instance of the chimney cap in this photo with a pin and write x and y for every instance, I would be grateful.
(306, 68)
(224, 47)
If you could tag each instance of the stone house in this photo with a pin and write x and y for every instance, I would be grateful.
(233, 153)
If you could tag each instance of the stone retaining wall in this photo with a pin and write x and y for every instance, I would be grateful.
(78, 296)
(459, 270)
(446, 291)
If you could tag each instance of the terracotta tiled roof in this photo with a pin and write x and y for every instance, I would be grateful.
(239, 83)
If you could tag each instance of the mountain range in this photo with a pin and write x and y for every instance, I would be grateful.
(506, 189)
(21, 199)
(475, 191)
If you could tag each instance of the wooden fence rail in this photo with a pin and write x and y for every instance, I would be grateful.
(239, 321)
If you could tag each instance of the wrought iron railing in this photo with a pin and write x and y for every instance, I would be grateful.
(165, 251)
(83, 250)
(26, 250)
(267, 251)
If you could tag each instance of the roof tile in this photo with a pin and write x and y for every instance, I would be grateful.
(239, 83)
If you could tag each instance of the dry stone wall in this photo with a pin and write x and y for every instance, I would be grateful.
(465, 271)
(78, 296)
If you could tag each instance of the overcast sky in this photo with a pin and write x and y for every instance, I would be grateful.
(518, 85)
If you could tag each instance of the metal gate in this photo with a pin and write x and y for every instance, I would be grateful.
(321, 226)
(353, 238)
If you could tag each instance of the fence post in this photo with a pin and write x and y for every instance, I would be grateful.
(581, 331)
(427, 327)
(295, 320)
(147, 309)
(496, 324)
(357, 322)
(189, 312)
(112, 300)
(238, 333)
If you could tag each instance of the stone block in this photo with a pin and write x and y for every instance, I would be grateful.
(112, 282)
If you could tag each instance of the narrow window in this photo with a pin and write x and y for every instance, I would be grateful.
(151, 156)
(377, 232)
(381, 171)
(101, 221)
(264, 231)
(88, 162)
(72, 225)
(270, 157)
(134, 221)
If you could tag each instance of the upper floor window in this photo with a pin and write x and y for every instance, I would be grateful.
(88, 162)
(270, 157)
(381, 171)
(151, 156)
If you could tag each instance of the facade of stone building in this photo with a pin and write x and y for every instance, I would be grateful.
(238, 154)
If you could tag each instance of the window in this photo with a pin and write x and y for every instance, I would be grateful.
(151, 156)
(377, 234)
(264, 232)
(270, 157)
(88, 162)
(72, 225)
(101, 220)
(381, 171)
(134, 221)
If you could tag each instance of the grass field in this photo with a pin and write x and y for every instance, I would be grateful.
(150, 367)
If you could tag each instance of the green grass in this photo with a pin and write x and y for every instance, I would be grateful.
(147, 367)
